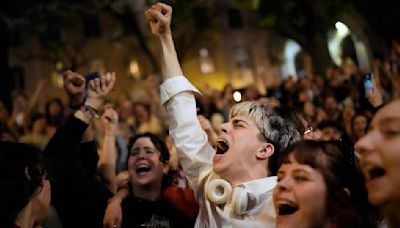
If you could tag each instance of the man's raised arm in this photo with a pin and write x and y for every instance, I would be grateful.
(159, 18)
(177, 96)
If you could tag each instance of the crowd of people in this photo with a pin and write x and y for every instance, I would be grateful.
(319, 151)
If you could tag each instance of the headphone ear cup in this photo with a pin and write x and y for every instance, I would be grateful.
(240, 201)
(219, 191)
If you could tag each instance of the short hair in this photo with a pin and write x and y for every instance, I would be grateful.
(277, 126)
(157, 141)
(336, 162)
(17, 162)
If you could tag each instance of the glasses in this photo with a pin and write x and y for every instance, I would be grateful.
(308, 130)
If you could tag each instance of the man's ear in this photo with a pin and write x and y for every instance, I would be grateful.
(266, 151)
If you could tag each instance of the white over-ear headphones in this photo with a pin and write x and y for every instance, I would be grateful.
(219, 191)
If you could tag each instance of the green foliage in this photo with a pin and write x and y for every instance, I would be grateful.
(268, 20)
(246, 4)
(302, 14)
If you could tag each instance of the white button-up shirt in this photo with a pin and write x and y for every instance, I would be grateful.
(196, 156)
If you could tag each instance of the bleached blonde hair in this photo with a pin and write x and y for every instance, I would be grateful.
(276, 126)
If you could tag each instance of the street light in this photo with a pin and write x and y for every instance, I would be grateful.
(134, 69)
(342, 29)
(207, 65)
(237, 96)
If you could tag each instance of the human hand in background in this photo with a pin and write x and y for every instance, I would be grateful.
(98, 88)
(374, 96)
(109, 119)
(207, 127)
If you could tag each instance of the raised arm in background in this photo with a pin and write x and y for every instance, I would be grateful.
(78, 197)
(108, 154)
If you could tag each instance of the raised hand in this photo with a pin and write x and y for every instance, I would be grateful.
(205, 123)
(110, 121)
(207, 127)
(159, 18)
(375, 95)
(98, 88)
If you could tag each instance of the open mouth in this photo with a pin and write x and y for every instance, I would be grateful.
(222, 146)
(77, 81)
(375, 172)
(287, 209)
(142, 169)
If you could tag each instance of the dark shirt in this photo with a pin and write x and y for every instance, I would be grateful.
(143, 213)
(79, 198)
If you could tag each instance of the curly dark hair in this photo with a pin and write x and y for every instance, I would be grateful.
(22, 169)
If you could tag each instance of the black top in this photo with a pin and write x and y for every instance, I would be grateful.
(143, 213)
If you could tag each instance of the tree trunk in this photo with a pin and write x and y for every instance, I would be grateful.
(5, 78)
(318, 50)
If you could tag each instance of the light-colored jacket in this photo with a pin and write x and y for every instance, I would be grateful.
(196, 156)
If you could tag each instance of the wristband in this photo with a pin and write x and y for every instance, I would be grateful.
(90, 110)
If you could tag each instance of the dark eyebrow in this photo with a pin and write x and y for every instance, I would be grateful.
(389, 119)
(384, 121)
(297, 171)
(145, 147)
(281, 172)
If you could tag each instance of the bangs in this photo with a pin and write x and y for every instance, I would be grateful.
(257, 111)
(242, 109)
(306, 152)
